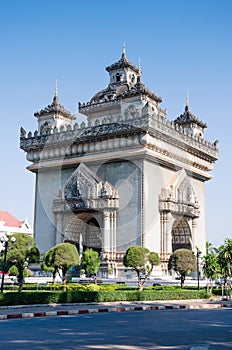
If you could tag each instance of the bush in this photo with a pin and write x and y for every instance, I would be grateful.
(13, 270)
(81, 296)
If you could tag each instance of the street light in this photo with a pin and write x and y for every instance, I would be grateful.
(198, 270)
(5, 241)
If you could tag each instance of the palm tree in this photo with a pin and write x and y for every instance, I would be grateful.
(210, 249)
(225, 259)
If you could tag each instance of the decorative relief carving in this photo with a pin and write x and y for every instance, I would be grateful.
(132, 112)
(85, 190)
(179, 197)
(158, 126)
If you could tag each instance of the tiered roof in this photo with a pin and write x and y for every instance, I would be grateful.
(188, 118)
(122, 63)
(54, 108)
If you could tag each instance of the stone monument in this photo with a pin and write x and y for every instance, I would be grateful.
(127, 177)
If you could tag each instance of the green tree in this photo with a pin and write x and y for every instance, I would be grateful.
(225, 259)
(141, 260)
(34, 256)
(211, 269)
(210, 249)
(182, 261)
(91, 262)
(61, 257)
(19, 253)
(13, 270)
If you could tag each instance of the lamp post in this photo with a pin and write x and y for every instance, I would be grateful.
(198, 270)
(5, 241)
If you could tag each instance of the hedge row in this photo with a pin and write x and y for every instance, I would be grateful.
(49, 297)
(69, 286)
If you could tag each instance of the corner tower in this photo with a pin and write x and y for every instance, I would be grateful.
(54, 115)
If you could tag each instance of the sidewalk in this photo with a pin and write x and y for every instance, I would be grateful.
(43, 310)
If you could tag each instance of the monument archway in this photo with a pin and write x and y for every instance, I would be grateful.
(181, 235)
(84, 231)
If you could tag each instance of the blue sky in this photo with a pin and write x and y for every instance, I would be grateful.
(182, 45)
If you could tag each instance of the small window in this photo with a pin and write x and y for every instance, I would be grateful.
(118, 77)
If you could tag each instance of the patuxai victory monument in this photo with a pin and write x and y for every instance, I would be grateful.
(128, 176)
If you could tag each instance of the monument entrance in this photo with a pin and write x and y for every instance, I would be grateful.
(181, 235)
(84, 231)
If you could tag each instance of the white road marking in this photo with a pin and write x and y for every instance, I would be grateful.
(200, 347)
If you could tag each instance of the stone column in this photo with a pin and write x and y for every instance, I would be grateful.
(106, 232)
(115, 234)
(111, 248)
(164, 233)
(169, 234)
(194, 225)
(112, 235)
(59, 228)
(161, 233)
(115, 243)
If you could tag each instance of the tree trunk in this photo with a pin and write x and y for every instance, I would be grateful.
(182, 278)
(140, 283)
(64, 284)
(54, 277)
(64, 280)
(20, 280)
(210, 286)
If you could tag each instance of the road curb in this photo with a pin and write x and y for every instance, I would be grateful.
(104, 310)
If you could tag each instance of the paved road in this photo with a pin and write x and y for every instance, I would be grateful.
(54, 309)
(206, 329)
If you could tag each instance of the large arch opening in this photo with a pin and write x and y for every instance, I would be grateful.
(84, 231)
(181, 235)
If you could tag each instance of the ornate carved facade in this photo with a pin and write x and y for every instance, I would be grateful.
(128, 176)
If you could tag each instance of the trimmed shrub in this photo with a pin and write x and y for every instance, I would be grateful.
(81, 296)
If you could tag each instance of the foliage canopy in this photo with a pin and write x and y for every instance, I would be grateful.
(60, 258)
(141, 260)
(182, 261)
(90, 261)
(20, 252)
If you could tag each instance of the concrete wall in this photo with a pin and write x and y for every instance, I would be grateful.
(126, 177)
(155, 177)
(200, 232)
(47, 185)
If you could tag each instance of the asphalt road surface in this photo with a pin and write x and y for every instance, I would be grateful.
(138, 330)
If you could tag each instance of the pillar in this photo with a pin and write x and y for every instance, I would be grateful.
(59, 228)
(194, 226)
(169, 234)
(106, 232)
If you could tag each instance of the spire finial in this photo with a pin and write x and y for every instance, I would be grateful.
(139, 67)
(56, 98)
(139, 74)
(187, 101)
(56, 91)
(124, 48)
